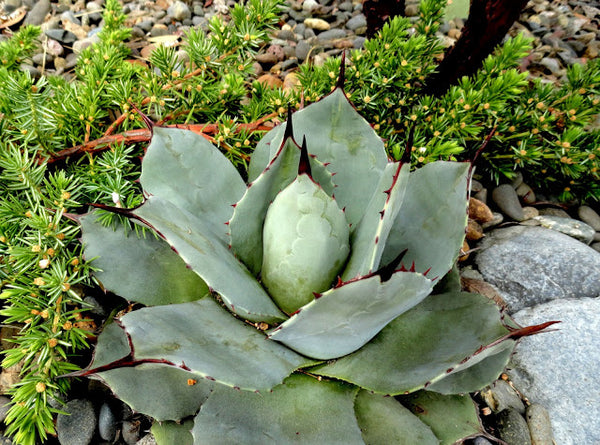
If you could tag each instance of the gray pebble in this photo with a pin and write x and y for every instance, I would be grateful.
(41, 59)
(481, 441)
(61, 35)
(82, 44)
(530, 213)
(33, 71)
(107, 423)
(331, 34)
(130, 432)
(38, 13)
(359, 42)
(78, 425)
(145, 25)
(589, 216)
(512, 428)
(552, 64)
(302, 49)
(525, 193)
(4, 407)
(159, 30)
(498, 218)
(69, 16)
(569, 226)
(179, 11)
(286, 34)
(507, 200)
(500, 396)
(357, 22)
(539, 424)
(553, 211)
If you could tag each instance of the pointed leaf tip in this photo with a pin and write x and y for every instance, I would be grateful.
(387, 271)
(147, 121)
(304, 165)
(342, 76)
(289, 128)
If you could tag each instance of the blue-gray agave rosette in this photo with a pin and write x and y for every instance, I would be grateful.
(284, 310)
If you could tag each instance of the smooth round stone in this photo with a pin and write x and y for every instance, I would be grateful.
(130, 432)
(61, 35)
(37, 14)
(525, 193)
(318, 24)
(4, 407)
(107, 423)
(302, 50)
(512, 428)
(507, 201)
(356, 23)
(590, 217)
(78, 425)
(539, 424)
(332, 34)
(572, 227)
(179, 11)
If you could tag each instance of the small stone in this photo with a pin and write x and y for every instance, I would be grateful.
(82, 44)
(54, 48)
(507, 200)
(318, 24)
(291, 82)
(530, 213)
(4, 407)
(332, 34)
(158, 30)
(589, 216)
(266, 58)
(500, 396)
(37, 14)
(179, 11)
(476, 186)
(270, 81)
(572, 227)
(78, 425)
(309, 5)
(69, 16)
(474, 230)
(498, 218)
(107, 423)
(482, 195)
(513, 428)
(302, 50)
(595, 246)
(412, 10)
(553, 211)
(539, 424)
(479, 211)
(286, 35)
(130, 432)
(359, 42)
(41, 59)
(525, 193)
(481, 441)
(552, 64)
(61, 35)
(60, 64)
(357, 22)
(479, 286)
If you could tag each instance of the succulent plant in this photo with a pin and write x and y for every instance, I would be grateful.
(288, 310)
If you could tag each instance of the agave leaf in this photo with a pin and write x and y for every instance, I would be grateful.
(341, 139)
(369, 238)
(246, 226)
(203, 338)
(170, 433)
(443, 334)
(433, 217)
(345, 318)
(452, 418)
(384, 421)
(187, 170)
(211, 259)
(160, 391)
(302, 410)
(476, 376)
(306, 244)
(141, 269)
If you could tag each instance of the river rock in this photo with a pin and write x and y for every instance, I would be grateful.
(38, 13)
(500, 396)
(78, 425)
(540, 426)
(560, 369)
(318, 24)
(572, 227)
(513, 428)
(533, 265)
(590, 217)
(507, 201)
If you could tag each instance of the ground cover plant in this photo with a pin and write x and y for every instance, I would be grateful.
(69, 142)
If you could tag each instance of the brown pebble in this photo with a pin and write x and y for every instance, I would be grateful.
(474, 230)
(481, 287)
(479, 211)
(464, 249)
(270, 81)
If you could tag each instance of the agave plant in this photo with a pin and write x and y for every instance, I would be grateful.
(290, 309)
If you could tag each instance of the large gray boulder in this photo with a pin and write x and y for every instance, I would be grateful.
(533, 265)
(560, 369)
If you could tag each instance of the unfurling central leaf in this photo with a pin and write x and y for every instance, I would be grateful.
(306, 243)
